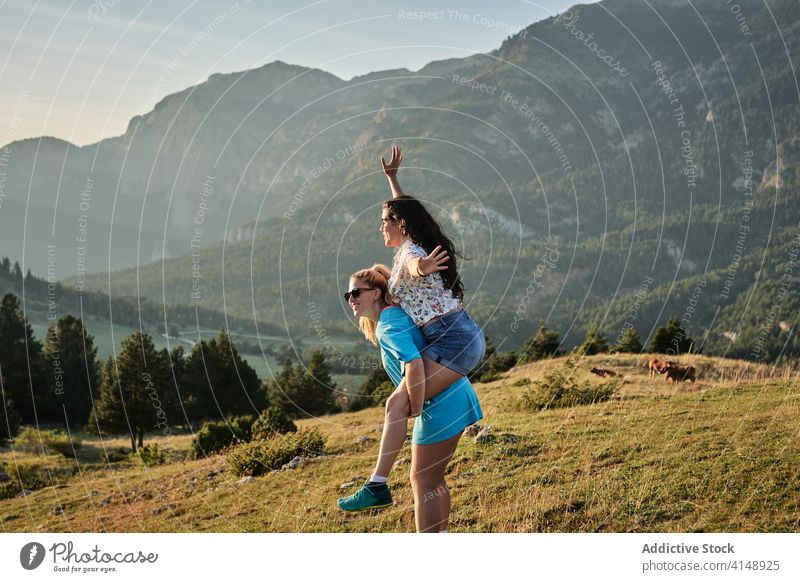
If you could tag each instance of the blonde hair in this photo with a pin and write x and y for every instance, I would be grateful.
(377, 277)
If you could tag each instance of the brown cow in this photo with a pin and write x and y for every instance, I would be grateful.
(677, 373)
(657, 366)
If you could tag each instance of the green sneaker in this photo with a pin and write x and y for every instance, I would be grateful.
(368, 497)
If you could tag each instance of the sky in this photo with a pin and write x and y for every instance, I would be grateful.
(80, 69)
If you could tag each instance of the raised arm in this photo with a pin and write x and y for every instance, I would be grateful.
(390, 170)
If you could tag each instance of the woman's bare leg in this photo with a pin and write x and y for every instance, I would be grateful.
(395, 426)
(438, 377)
(428, 463)
(444, 507)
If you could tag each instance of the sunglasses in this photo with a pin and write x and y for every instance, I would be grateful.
(354, 293)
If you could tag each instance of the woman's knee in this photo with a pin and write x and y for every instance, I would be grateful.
(426, 479)
(397, 404)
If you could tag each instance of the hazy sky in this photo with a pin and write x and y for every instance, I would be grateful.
(80, 69)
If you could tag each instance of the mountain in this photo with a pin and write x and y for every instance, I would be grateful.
(645, 147)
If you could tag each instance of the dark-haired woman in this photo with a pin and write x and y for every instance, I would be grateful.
(430, 293)
(428, 290)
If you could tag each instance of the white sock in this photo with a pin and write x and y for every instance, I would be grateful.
(378, 479)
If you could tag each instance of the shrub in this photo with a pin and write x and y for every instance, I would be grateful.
(212, 437)
(259, 456)
(53, 441)
(215, 436)
(559, 389)
(117, 455)
(273, 421)
(9, 489)
(540, 398)
(36, 476)
(487, 377)
(151, 455)
(243, 426)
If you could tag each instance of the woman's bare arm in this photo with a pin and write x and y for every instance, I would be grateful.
(390, 170)
(424, 266)
(414, 383)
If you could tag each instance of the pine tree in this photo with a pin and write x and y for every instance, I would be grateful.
(671, 339)
(543, 344)
(108, 414)
(21, 362)
(71, 361)
(629, 342)
(219, 383)
(300, 392)
(594, 342)
(318, 386)
(243, 392)
(275, 387)
(142, 376)
(175, 393)
(193, 386)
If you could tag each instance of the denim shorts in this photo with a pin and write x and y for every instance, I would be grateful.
(454, 341)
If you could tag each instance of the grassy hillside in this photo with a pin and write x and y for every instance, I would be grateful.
(719, 455)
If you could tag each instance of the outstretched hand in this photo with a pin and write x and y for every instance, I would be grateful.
(433, 262)
(390, 169)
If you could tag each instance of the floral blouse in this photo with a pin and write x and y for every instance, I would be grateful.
(422, 298)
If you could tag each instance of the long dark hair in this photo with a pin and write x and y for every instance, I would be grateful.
(417, 223)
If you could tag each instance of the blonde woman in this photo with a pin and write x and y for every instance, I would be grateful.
(445, 411)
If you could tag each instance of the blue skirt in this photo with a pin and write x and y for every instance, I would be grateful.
(447, 414)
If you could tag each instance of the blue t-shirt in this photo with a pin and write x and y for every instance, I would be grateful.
(401, 341)
(446, 414)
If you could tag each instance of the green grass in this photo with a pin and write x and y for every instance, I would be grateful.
(718, 455)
